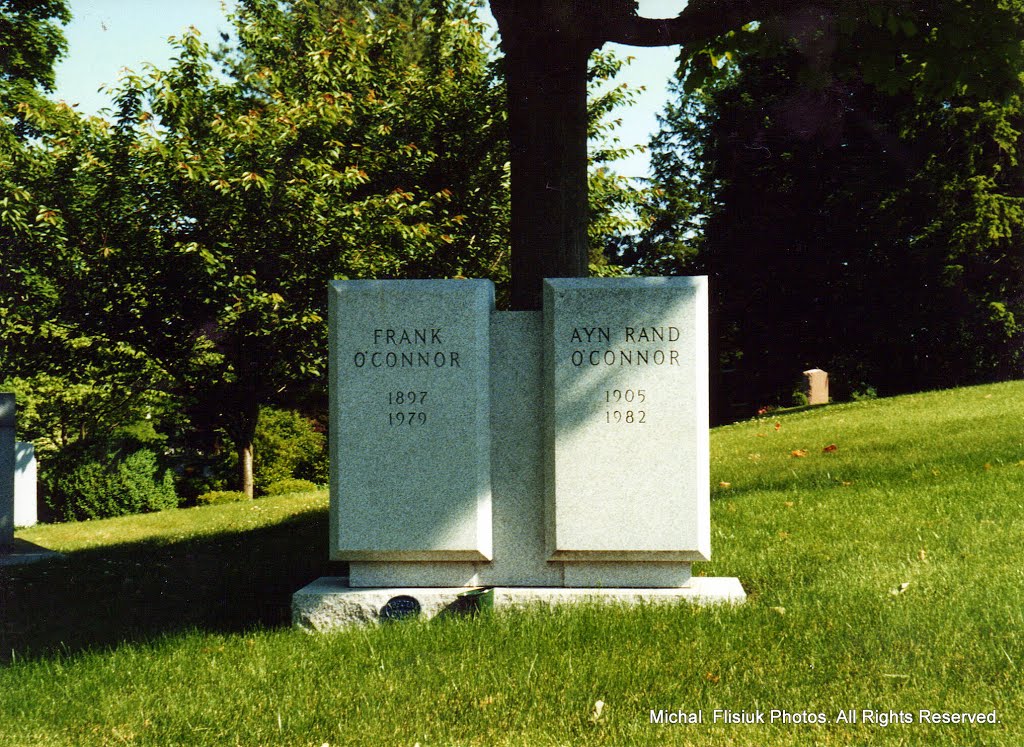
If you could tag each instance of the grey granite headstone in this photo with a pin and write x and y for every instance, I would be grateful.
(556, 455)
(628, 461)
(410, 422)
(7, 467)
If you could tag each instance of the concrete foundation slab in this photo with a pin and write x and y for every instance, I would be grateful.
(330, 604)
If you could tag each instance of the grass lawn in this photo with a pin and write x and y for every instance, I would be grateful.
(886, 576)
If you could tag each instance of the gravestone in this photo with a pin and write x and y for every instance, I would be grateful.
(816, 386)
(25, 485)
(627, 444)
(410, 411)
(7, 467)
(553, 455)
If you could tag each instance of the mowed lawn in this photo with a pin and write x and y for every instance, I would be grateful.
(881, 545)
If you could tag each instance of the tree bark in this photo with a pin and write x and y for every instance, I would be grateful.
(547, 89)
(245, 460)
(547, 44)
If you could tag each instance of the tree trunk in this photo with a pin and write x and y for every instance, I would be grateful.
(546, 77)
(245, 460)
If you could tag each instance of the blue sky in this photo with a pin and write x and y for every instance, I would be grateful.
(106, 36)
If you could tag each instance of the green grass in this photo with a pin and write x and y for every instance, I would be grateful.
(885, 574)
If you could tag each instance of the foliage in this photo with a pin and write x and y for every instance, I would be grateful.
(56, 410)
(287, 445)
(215, 497)
(851, 219)
(31, 42)
(96, 483)
(615, 203)
(290, 485)
(322, 151)
(347, 139)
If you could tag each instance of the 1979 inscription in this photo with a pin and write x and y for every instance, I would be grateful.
(410, 399)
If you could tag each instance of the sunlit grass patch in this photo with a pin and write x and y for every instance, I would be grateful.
(884, 576)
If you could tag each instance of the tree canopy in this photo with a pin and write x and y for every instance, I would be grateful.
(861, 218)
(193, 234)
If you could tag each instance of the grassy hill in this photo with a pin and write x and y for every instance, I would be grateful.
(881, 543)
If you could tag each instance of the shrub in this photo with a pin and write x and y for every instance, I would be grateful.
(287, 445)
(290, 485)
(80, 484)
(215, 497)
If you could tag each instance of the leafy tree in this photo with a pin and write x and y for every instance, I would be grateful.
(69, 383)
(547, 42)
(31, 42)
(860, 218)
(218, 205)
(184, 246)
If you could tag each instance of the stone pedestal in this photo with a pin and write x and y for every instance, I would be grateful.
(330, 603)
(559, 449)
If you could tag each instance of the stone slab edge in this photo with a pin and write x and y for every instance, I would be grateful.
(330, 604)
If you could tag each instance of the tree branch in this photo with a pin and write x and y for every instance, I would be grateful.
(699, 21)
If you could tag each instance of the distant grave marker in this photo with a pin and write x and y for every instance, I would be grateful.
(816, 386)
(25, 485)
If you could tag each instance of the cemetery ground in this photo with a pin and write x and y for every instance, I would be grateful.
(881, 545)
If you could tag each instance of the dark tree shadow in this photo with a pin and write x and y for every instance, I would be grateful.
(136, 592)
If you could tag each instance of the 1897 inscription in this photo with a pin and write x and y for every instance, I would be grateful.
(409, 399)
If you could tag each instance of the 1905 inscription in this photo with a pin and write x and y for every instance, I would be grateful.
(625, 397)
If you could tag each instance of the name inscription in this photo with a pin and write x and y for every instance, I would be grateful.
(407, 337)
(620, 356)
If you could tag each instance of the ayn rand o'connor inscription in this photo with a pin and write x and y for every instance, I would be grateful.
(410, 414)
(627, 389)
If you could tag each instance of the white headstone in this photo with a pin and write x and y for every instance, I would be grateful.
(563, 450)
(25, 485)
(816, 386)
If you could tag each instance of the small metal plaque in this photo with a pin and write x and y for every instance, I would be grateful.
(400, 608)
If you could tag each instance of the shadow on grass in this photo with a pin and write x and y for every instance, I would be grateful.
(136, 592)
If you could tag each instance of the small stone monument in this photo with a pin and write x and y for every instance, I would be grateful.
(7, 468)
(550, 455)
(816, 386)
